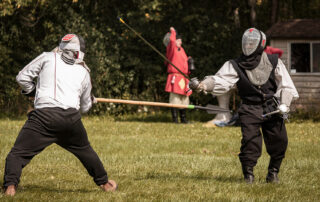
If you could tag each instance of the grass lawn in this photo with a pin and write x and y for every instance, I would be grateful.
(154, 160)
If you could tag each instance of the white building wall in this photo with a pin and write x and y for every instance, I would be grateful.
(307, 84)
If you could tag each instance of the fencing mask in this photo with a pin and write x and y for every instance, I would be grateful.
(73, 48)
(251, 41)
(264, 40)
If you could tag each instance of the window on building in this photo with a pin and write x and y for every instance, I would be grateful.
(305, 57)
(316, 57)
(300, 57)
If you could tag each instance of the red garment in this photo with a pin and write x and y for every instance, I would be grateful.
(177, 83)
(271, 50)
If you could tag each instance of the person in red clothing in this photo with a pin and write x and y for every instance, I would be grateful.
(177, 84)
(269, 49)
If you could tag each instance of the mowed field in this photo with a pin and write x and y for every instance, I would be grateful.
(155, 160)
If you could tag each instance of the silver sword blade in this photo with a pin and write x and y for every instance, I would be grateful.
(270, 113)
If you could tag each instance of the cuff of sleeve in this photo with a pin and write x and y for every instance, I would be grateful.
(208, 82)
(32, 93)
(85, 109)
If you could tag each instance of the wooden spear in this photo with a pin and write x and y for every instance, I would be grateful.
(211, 109)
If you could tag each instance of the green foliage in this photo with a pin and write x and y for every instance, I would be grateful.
(154, 161)
(122, 66)
(301, 115)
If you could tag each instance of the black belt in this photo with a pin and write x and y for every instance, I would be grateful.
(248, 102)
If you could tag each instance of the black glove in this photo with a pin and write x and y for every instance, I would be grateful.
(194, 83)
(32, 93)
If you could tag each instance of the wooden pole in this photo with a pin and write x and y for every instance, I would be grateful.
(211, 109)
(158, 104)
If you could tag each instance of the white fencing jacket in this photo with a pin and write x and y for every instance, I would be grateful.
(58, 84)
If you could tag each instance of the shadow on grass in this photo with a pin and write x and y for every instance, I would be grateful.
(164, 117)
(38, 189)
(201, 176)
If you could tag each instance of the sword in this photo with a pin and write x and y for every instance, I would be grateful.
(285, 116)
(270, 113)
(211, 109)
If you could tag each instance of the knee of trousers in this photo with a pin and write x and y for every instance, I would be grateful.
(16, 158)
(12, 156)
(12, 159)
(281, 140)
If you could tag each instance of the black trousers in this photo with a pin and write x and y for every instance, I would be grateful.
(273, 131)
(52, 125)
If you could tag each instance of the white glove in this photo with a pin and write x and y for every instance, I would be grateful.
(284, 109)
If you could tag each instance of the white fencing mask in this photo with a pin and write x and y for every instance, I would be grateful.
(251, 41)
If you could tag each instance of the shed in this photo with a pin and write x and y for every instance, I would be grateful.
(300, 41)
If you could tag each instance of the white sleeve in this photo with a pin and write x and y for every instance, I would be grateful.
(85, 99)
(28, 73)
(284, 81)
(225, 79)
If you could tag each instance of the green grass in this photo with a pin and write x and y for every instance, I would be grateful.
(154, 160)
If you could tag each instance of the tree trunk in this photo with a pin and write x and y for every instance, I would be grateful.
(274, 7)
(236, 17)
(252, 4)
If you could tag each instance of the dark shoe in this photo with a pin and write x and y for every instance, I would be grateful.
(249, 178)
(174, 113)
(10, 190)
(111, 185)
(248, 174)
(183, 116)
(272, 176)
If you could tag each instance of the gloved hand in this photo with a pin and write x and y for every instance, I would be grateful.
(202, 88)
(284, 109)
(32, 93)
(93, 99)
(194, 83)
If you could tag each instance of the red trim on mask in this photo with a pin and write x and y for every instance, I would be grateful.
(68, 37)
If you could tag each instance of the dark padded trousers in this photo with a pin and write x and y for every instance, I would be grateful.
(52, 125)
(274, 136)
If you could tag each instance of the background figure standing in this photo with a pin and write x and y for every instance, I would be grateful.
(177, 84)
(264, 85)
(63, 89)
